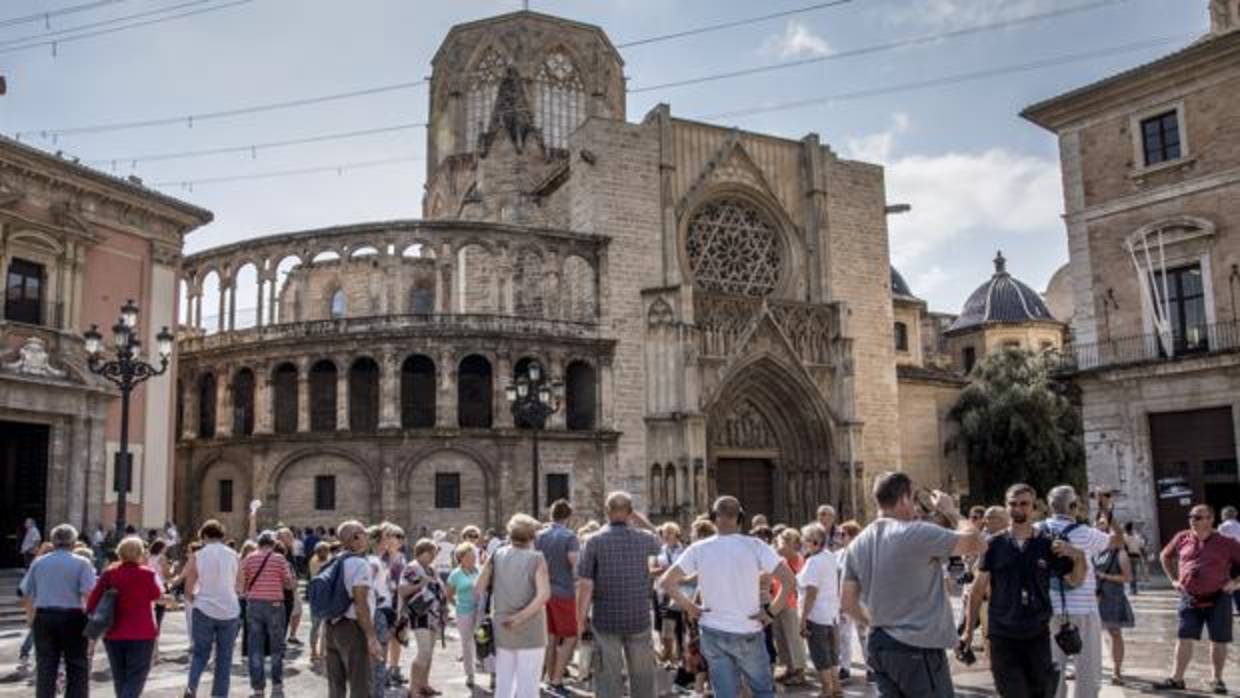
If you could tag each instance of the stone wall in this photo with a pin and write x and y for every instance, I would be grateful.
(924, 431)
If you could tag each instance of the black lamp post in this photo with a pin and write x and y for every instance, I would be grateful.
(127, 370)
(534, 397)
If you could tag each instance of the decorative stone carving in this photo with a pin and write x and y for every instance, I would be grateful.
(745, 427)
(32, 359)
(734, 248)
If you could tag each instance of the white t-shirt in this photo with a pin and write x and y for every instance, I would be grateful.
(443, 559)
(216, 592)
(357, 573)
(1230, 528)
(729, 567)
(299, 547)
(822, 572)
(380, 590)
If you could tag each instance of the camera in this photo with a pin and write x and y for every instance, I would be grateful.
(965, 655)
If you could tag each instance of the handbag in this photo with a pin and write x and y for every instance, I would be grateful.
(101, 620)
(1068, 638)
(484, 634)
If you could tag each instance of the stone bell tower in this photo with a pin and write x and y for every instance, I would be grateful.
(506, 94)
(1224, 16)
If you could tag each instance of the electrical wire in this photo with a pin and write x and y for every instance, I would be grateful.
(952, 79)
(8, 47)
(188, 184)
(880, 48)
(46, 17)
(729, 25)
(254, 147)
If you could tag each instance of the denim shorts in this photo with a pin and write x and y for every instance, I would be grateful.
(1216, 619)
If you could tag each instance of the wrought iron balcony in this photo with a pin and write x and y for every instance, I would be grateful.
(1197, 341)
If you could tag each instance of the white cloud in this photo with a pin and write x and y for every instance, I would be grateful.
(797, 41)
(929, 280)
(957, 195)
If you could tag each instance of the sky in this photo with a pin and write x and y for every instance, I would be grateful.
(977, 176)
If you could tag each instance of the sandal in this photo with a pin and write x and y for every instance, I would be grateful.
(1169, 685)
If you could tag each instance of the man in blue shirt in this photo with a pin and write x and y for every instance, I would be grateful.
(559, 546)
(56, 586)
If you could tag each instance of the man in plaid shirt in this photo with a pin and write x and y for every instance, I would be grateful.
(613, 578)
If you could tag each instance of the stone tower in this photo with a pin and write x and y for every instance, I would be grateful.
(1224, 16)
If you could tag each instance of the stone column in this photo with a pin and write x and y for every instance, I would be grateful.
(389, 390)
(607, 390)
(558, 419)
(445, 409)
(303, 396)
(189, 415)
(342, 395)
(223, 402)
(501, 409)
(263, 409)
(258, 306)
(272, 313)
(223, 309)
(232, 305)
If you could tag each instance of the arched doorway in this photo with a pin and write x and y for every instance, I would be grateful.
(769, 442)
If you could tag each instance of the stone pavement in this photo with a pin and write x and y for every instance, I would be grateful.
(1149, 648)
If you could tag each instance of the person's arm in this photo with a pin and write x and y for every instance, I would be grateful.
(1168, 559)
(361, 602)
(483, 583)
(670, 583)
(808, 598)
(290, 580)
(542, 592)
(92, 599)
(190, 577)
(850, 602)
(408, 588)
(1125, 568)
(787, 582)
(977, 592)
(639, 520)
(449, 592)
(585, 595)
(1080, 566)
(241, 577)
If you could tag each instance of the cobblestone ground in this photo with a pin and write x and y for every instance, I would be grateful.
(1149, 648)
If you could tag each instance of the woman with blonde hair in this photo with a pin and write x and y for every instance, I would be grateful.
(461, 595)
(130, 641)
(522, 586)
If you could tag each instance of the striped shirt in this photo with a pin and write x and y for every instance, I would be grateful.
(1082, 600)
(269, 586)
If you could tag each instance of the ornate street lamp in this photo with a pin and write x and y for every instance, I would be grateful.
(534, 397)
(126, 371)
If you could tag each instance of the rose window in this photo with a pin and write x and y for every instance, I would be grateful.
(734, 248)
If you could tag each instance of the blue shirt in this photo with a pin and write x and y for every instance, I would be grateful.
(58, 580)
(555, 543)
(462, 584)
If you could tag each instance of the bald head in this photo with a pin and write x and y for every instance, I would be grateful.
(619, 506)
(727, 512)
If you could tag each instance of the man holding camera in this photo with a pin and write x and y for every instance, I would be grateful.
(1016, 573)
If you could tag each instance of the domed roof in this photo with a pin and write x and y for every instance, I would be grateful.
(1002, 299)
(899, 287)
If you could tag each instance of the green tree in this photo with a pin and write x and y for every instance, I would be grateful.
(1018, 422)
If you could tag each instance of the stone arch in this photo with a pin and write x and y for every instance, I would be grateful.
(768, 415)
(579, 289)
(790, 255)
(479, 87)
(207, 501)
(416, 488)
(38, 239)
(656, 488)
(559, 94)
(477, 276)
(580, 396)
(290, 487)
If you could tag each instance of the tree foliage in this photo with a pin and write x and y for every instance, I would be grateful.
(1017, 422)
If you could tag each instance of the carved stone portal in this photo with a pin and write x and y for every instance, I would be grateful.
(32, 359)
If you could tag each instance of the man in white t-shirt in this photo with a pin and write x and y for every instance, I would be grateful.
(351, 643)
(729, 567)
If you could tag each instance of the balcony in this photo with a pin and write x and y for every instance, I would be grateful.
(417, 325)
(1201, 340)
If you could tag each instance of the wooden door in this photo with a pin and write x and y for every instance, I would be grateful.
(1194, 456)
(23, 485)
(750, 480)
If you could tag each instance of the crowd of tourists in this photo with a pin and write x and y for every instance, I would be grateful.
(734, 606)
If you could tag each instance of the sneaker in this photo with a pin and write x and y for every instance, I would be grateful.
(294, 642)
(1219, 688)
(189, 693)
(277, 690)
(845, 674)
(1169, 685)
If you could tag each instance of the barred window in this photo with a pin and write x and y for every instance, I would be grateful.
(480, 99)
(559, 99)
(734, 248)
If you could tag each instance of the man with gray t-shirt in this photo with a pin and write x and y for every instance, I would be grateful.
(893, 582)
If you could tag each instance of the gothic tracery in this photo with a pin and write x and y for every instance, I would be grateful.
(734, 248)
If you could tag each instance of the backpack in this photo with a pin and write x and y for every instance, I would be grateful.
(329, 599)
(1059, 580)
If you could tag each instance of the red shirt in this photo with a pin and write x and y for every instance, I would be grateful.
(137, 592)
(796, 563)
(269, 586)
(1204, 565)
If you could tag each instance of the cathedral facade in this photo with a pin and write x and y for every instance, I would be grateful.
(717, 303)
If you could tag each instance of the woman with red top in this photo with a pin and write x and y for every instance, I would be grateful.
(131, 639)
(787, 625)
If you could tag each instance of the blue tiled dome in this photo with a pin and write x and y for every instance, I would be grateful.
(1002, 299)
(899, 287)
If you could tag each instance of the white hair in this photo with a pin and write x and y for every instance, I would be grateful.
(1061, 498)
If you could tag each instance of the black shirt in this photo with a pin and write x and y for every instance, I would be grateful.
(1020, 574)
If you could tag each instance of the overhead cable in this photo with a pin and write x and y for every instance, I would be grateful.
(729, 25)
(46, 17)
(879, 48)
(340, 169)
(75, 34)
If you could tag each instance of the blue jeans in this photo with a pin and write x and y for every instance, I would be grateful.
(265, 622)
(130, 661)
(731, 656)
(378, 667)
(27, 645)
(206, 632)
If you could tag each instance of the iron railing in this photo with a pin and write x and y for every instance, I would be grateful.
(1197, 340)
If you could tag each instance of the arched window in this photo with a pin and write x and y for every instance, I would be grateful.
(284, 398)
(243, 402)
(323, 396)
(669, 489)
(901, 332)
(527, 284)
(559, 99)
(364, 395)
(473, 392)
(417, 392)
(339, 304)
(734, 248)
(206, 405)
(580, 396)
(480, 99)
(656, 487)
(968, 357)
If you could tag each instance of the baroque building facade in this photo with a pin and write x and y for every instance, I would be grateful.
(718, 303)
(1151, 172)
(76, 244)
